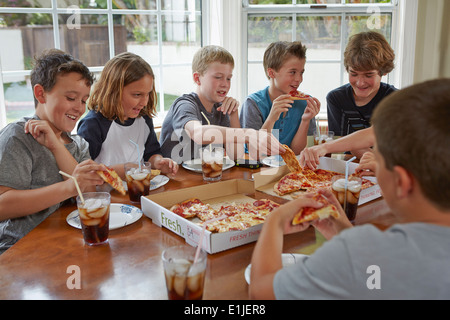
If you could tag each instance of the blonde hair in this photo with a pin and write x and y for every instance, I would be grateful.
(119, 72)
(210, 54)
(368, 51)
(278, 52)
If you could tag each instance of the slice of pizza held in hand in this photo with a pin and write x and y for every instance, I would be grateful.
(111, 177)
(297, 95)
(311, 214)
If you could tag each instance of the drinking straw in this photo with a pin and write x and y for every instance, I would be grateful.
(76, 184)
(139, 160)
(209, 123)
(346, 180)
(204, 116)
(200, 241)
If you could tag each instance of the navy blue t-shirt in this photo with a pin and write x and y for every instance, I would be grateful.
(344, 116)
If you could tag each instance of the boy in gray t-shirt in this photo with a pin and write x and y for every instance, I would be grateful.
(209, 115)
(34, 150)
(411, 259)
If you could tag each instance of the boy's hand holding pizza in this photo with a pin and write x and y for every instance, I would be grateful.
(280, 105)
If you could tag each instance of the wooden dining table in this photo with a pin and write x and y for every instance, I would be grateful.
(52, 261)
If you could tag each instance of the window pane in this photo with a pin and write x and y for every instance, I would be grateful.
(82, 4)
(86, 37)
(26, 3)
(318, 1)
(319, 79)
(257, 79)
(381, 23)
(140, 34)
(181, 35)
(263, 30)
(24, 36)
(181, 5)
(321, 35)
(19, 100)
(368, 1)
(270, 1)
(177, 81)
(140, 5)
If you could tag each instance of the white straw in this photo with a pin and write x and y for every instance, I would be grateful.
(204, 116)
(200, 241)
(209, 123)
(346, 180)
(138, 160)
(76, 184)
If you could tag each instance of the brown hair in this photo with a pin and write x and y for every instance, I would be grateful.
(278, 52)
(412, 131)
(120, 71)
(209, 54)
(52, 63)
(369, 51)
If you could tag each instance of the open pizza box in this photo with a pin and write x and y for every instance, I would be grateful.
(156, 207)
(265, 180)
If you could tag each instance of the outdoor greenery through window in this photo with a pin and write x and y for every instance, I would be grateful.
(323, 26)
(166, 33)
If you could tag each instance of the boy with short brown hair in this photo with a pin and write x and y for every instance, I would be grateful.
(367, 58)
(34, 150)
(363, 262)
(209, 115)
(272, 108)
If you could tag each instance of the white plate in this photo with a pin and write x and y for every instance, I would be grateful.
(155, 183)
(196, 165)
(286, 258)
(275, 161)
(121, 215)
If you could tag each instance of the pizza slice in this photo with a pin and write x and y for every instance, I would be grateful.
(292, 182)
(291, 160)
(310, 214)
(111, 177)
(297, 95)
(194, 207)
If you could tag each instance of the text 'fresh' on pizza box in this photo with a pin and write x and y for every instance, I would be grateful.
(156, 207)
(265, 180)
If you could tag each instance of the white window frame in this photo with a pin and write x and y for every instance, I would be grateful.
(109, 11)
(234, 35)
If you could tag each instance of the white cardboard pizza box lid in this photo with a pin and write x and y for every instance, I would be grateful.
(156, 207)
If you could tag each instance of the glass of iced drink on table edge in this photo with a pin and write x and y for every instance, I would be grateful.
(94, 217)
(184, 280)
(212, 163)
(138, 180)
(349, 201)
(324, 136)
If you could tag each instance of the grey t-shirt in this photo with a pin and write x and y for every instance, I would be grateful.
(175, 142)
(408, 261)
(25, 164)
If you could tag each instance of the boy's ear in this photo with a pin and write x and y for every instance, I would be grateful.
(196, 78)
(271, 73)
(39, 93)
(404, 182)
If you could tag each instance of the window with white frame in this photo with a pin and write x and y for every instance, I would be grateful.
(166, 33)
(324, 26)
